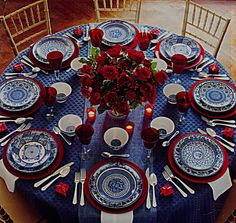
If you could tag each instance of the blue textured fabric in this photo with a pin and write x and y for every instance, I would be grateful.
(197, 208)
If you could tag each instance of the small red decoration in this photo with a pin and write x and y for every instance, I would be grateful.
(148, 110)
(154, 33)
(62, 189)
(129, 127)
(91, 114)
(214, 69)
(166, 190)
(228, 133)
(3, 128)
(78, 32)
(18, 67)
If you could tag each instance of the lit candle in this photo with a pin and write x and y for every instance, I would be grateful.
(148, 110)
(91, 114)
(129, 127)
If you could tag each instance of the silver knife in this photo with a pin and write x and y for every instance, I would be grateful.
(37, 184)
(82, 180)
(148, 201)
(217, 78)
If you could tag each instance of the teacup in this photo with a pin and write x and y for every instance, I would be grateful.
(76, 65)
(170, 91)
(63, 91)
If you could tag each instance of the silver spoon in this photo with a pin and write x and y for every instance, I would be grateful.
(87, 38)
(64, 172)
(109, 155)
(153, 183)
(18, 120)
(57, 131)
(212, 133)
(204, 74)
(167, 143)
(34, 69)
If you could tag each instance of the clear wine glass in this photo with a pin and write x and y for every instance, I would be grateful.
(183, 105)
(150, 136)
(55, 61)
(84, 132)
(179, 62)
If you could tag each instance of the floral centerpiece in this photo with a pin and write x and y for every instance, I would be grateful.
(119, 79)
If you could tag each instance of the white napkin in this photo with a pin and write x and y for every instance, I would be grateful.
(9, 178)
(117, 218)
(221, 185)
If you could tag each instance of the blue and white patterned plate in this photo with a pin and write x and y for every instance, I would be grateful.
(180, 45)
(198, 155)
(53, 43)
(214, 96)
(115, 185)
(18, 94)
(117, 32)
(31, 151)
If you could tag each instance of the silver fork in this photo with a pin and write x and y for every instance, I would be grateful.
(170, 173)
(26, 127)
(82, 179)
(217, 120)
(76, 181)
(20, 128)
(168, 178)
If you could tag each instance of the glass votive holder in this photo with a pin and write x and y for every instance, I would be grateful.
(91, 114)
(148, 110)
(129, 127)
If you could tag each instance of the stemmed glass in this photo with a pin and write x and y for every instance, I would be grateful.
(96, 37)
(55, 61)
(183, 105)
(50, 99)
(150, 136)
(179, 62)
(144, 41)
(85, 133)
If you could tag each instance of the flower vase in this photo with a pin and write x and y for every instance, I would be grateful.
(115, 115)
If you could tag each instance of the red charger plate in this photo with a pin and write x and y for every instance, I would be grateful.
(116, 211)
(208, 114)
(30, 110)
(192, 178)
(47, 67)
(189, 65)
(40, 174)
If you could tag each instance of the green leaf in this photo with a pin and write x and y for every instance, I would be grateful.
(94, 52)
(101, 110)
(83, 60)
(154, 65)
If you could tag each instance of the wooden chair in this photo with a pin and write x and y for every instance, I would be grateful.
(204, 25)
(128, 10)
(27, 24)
(4, 217)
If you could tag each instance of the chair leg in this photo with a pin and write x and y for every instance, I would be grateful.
(232, 217)
(4, 217)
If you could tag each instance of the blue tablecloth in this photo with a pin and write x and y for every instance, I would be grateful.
(197, 208)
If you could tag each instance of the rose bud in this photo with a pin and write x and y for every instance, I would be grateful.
(214, 68)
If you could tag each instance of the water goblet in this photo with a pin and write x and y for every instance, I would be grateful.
(144, 40)
(50, 99)
(84, 132)
(183, 105)
(55, 61)
(179, 62)
(150, 136)
(96, 37)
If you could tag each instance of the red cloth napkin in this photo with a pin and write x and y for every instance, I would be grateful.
(178, 62)
(96, 37)
(144, 40)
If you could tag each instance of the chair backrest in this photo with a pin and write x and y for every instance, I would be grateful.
(27, 24)
(204, 25)
(4, 217)
(128, 10)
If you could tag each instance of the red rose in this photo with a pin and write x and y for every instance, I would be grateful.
(101, 59)
(86, 80)
(166, 190)
(149, 92)
(147, 63)
(125, 80)
(142, 73)
(18, 67)
(130, 95)
(145, 88)
(95, 98)
(115, 51)
(78, 32)
(214, 68)
(87, 69)
(110, 72)
(97, 85)
(123, 107)
(151, 97)
(228, 133)
(125, 64)
(110, 98)
(86, 92)
(62, 189)
(137, 56)
(161, 77)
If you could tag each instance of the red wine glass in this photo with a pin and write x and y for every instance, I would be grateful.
(50, 100)
(183, 105)
(150, 136)
(55, 61)
(179, 62)
(84, 132)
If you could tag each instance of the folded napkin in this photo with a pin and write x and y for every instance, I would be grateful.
(96, 37)
(117, 218)
(221, 185)
(9, 178)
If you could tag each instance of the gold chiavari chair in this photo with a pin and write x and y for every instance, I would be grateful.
(4, 217)
(205, 25)
(128, 10)
(27, 24)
